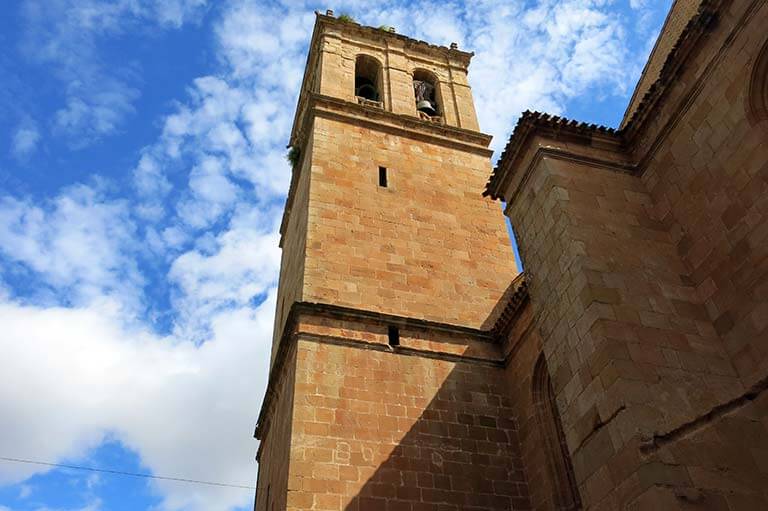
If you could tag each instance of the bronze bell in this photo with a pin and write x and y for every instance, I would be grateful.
(367, 91)
(426, 106)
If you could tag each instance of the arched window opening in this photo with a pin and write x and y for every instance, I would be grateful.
(368, 80)
(559, 466)
(757, 108)
(427, 94)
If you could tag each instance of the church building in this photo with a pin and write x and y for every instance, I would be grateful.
(415, 367)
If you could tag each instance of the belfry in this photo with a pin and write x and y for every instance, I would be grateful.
(393, 262)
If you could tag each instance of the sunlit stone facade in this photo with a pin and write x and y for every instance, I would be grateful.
(414, 368)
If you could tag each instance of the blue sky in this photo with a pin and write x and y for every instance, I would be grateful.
(142, 176)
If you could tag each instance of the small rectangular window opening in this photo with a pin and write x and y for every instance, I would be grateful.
(383, 177)
(394, 335)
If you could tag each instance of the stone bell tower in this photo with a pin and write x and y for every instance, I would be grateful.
(384, 386)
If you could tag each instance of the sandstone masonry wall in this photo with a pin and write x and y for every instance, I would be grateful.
(624, 360)
(523, 348)
(420, 247)
(379, 430)
(294, 247)
(648, 290)
(273, 456)
(709, 184)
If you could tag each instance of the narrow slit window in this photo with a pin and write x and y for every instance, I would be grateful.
(383, 177)
(394, 335)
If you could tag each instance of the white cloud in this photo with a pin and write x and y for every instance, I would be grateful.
(25, 139)
(243, 265)
(80, 244)
(211, 193)
(188, 410)
(65, 36)
(90, 113)
(597, 57)
(266, 41)
(540, 58)
(229, 131)
(24, 492)
(176, 12)
(93, 505)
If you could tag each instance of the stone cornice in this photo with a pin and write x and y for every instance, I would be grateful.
(532, 124)
(349, 314)
(546, 126)
(516, 299)
(299, 309)
(680, 11)
(686, 44)
(413, 45)
(399, 124)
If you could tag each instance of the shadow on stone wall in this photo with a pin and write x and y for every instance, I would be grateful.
(461, 453)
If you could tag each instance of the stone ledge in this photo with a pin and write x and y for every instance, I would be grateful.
(399, 124)
(317, 322)
(565, 131)
(429, 48)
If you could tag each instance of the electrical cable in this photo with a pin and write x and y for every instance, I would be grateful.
(120, 472)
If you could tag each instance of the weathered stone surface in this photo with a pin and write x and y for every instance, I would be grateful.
(413, 369)
(350, 421)
(646, 250)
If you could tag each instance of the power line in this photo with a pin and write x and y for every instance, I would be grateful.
(122, 473)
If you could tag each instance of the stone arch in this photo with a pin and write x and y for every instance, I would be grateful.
(757, 94)
(426, 89)
(368, 78)
(559, 467)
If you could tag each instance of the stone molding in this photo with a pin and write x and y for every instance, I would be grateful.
(397, 124)
(517, 298)
(302, 310)
(531, 124)
(757, 107)
(433, 50)
(677, 18)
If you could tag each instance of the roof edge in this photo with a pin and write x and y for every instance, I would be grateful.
(531, 123)
(418, 43)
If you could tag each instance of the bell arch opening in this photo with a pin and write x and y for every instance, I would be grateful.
(368, 84)
(559, 467)
(427, 93)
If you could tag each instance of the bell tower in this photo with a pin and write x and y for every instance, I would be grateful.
(393, 265)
